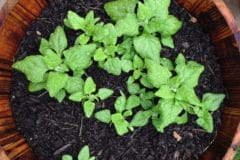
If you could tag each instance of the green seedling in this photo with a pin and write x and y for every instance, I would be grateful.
(84, 154)
(88, 96)
(130, 43)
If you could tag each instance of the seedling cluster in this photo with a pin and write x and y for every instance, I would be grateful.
(84, 154)
(158, 89)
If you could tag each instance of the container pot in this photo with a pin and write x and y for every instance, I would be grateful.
(214, 17)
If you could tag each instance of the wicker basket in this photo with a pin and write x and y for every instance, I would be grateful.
(212, 14)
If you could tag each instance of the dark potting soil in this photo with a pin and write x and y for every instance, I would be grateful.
(53, 129)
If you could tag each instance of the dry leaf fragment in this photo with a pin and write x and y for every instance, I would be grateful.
(177, 136)
(193, 20)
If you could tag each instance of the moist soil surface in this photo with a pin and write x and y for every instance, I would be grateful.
(53, 129)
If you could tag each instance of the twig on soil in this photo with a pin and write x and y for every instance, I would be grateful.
(198, 130)
(62, 123)
(211, 70)
(42, 94)
(63, 148)
(80, 128)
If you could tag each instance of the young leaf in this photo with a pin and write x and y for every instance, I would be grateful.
(187, 106)
(206, 122)
(79, 57)
(133, 88)
(99, 55)
(113, 66)
(165, 92)
(104, 93)
(61, 68)
(77, 97)
(137, 62)
(82, 39)
(169, 26)
(44, 46)
(212, 101)
(90, 23)
(84, 154)
(120, 124)
(92, 158)
(145, 82)
(126, 48)
(143, 12)
(34, 87)
(137, 74)
(74, 21)
(180, 60)
(88, 108)
(67, 157)
(74, 84)
(146, 104)
(103, 116)
(27, 64)
(169, 112)
(58, 40)
(111, 37)
(126, 65)
(52, 59)
(156, 73)
(110, 50)
(127, 26)
(141, 118)
(127, 113)
(167, 63)
(120, 8)
(187, 94)
(182, 119)
(158, 8)
(167, 41)
(60, 95)
(189, 73)
(55, 82)
(132, 102)
(147, 95)
(120, 103)
(151, 48)
(89, 86)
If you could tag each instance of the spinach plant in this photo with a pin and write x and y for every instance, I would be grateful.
(104, 36)
(131, 43)
(51, 71)
(84, 154)
(123, 107)
(86, 95)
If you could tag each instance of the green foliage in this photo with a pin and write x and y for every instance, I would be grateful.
(120, 8)
(84, 154)
(132, 43)
(87, 95)
(127, 26)
(26, 66)
(237, 156)
(103, 116)
(50, 70)
(151, 47)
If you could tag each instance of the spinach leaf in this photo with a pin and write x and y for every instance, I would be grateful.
(88, 108)
(103, 116)
(58, 40)
(120, 8)
(27, 64)
(127, 26)
(151, 48)
(55, 82)
(104, 93)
